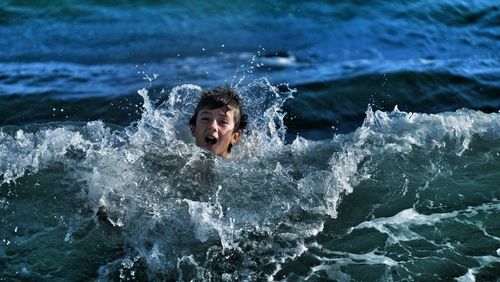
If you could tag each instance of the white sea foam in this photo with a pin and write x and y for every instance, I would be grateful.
(398, 227)
(182, 212)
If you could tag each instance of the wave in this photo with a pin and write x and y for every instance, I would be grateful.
(174, 211)
(427, 86)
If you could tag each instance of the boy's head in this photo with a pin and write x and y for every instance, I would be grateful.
(218, 121)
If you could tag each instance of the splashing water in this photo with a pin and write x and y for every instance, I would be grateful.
(174, 211)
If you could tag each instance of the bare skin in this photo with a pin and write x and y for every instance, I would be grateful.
(214, 131)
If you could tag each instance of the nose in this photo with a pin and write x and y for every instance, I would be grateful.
(213, 125)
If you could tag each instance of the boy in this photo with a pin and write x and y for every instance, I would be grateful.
(218, 121)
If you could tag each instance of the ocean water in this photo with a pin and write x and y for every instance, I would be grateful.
(372, 154)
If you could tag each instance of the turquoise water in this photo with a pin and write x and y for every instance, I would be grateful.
(373, 150)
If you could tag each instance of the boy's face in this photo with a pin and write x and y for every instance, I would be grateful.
(214, 130)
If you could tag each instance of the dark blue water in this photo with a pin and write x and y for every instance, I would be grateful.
(373, 151)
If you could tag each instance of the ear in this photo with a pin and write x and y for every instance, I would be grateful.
(235, 137)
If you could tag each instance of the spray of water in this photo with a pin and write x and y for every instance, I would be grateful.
(175, 211)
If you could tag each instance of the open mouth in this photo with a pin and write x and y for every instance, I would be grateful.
(210, 140)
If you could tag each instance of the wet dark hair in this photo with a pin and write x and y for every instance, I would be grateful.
(222, 97)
